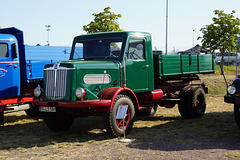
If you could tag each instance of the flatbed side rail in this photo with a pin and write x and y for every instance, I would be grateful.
(167, 65)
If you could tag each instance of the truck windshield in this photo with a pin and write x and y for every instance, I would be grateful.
(98, 48)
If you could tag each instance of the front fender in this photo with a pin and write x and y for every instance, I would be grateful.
(112, 92)
(236, 83)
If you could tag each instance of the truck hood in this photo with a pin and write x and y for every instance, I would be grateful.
(62, 79)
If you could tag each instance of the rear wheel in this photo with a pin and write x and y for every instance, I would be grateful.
(198, 102)
(114, 126)
(193, 102)
(58, 121)
(183, 104)
(237, 114)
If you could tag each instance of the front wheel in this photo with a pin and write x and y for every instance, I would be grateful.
(237, 114)
(114, 126)
(58, 121)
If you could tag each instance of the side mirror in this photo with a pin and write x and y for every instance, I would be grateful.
(139, 47)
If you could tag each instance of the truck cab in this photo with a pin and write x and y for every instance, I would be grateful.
(19, 77)
(9, 66)
(129, 50)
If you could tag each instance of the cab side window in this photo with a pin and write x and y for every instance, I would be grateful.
(4, 50)
(136, 49)
(14, 50)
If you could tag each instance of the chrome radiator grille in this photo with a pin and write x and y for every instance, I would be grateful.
(56, 82)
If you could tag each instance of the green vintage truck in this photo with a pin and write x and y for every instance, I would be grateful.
(108, 70)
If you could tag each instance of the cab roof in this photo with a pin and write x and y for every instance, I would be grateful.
(121, 34)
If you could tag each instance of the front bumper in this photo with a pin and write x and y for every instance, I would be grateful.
(97, 104)
(235, 99)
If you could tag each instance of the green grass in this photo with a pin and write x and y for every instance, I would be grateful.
(216, 83)
(227, 69)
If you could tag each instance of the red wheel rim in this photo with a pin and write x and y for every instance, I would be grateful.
(126, 120)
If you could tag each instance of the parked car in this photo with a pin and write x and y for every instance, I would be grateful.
(229, 59)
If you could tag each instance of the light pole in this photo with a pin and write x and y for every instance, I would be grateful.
(193, 39)
(48, 30)
(166, 26)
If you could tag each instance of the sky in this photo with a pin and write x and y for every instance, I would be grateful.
(67, 18)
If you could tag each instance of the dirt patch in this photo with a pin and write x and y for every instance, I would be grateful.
(164, 136)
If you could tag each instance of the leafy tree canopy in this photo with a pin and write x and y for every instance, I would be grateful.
(103, 22)
(222, 34)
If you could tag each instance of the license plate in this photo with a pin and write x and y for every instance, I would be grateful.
(47, 109)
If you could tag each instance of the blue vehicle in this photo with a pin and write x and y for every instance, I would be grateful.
(21, 70)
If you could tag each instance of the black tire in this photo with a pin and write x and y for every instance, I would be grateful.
(193, 102)
(183, 105)
(237, 114)
(58, 121)
(114, 127)
(198, 102)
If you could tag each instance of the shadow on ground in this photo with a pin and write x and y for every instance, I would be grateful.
(36, 133)
(216, 130)
(213, 131)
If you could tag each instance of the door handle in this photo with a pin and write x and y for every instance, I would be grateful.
(146, 67)
(9, 65)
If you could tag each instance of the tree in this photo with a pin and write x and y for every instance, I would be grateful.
(222, 34)
(103, 22)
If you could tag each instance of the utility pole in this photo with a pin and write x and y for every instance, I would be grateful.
(166, 26)
(48, 30)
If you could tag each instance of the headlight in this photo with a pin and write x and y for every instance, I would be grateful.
(80, 92)
(37, 91)
(231, 89)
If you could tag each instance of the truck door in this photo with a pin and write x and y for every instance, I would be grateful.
(137, 67)
(9, 70)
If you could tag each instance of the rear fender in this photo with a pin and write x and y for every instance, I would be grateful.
(111, 94)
